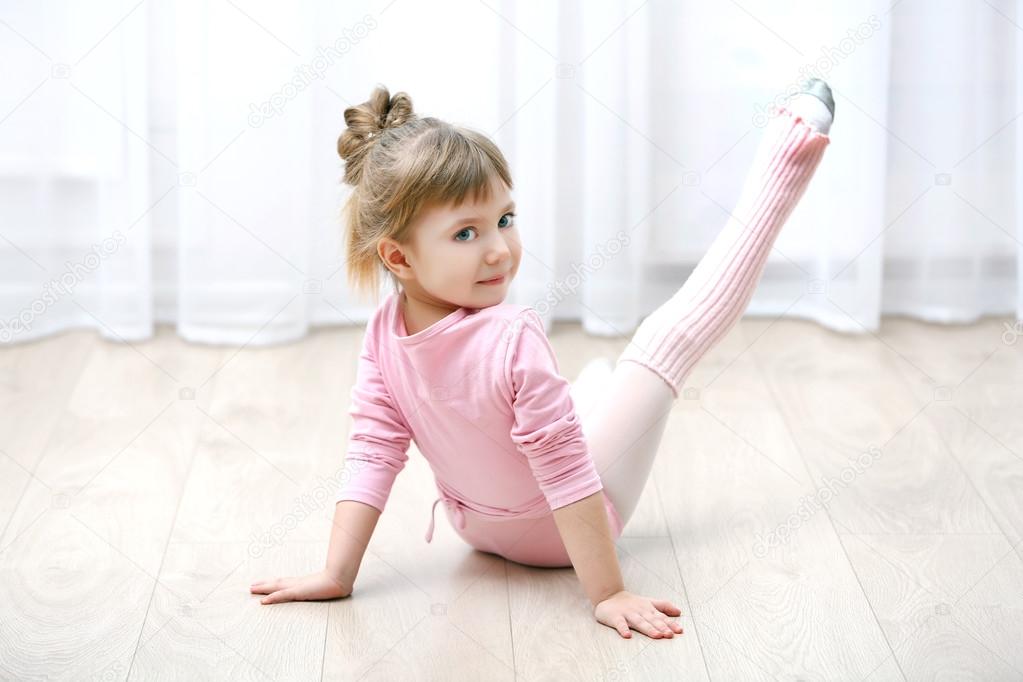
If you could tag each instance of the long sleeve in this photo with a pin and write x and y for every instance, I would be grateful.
(379, 438)
(546, 428)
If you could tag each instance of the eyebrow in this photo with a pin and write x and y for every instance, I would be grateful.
(477, 219)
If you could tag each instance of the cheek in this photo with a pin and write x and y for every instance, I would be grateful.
(453, 266)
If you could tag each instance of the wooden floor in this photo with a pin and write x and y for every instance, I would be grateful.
(823, 507)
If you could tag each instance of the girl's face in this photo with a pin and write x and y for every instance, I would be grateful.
(454, 249)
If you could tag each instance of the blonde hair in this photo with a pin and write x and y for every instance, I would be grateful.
(398, 162)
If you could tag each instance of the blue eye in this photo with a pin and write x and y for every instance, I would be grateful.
(466, 229)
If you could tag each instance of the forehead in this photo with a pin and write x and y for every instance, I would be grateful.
(444, 216)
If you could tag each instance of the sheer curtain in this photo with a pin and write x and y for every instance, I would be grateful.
(176, 163)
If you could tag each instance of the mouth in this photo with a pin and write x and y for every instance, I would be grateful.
(496, 280)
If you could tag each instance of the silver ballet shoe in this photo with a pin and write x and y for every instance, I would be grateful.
(820, 90)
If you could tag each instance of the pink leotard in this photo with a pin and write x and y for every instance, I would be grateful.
(480, 394)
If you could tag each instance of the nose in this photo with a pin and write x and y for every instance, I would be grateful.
(498, 251)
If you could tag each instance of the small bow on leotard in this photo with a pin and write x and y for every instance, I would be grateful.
(456, 507)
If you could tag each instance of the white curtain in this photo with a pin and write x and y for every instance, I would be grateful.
(176, 163)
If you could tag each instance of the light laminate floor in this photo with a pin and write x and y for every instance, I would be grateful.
(143, 488)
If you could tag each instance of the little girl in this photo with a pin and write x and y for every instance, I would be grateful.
(475, 382)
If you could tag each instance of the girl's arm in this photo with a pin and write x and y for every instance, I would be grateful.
(587, 537)
(548, 432)
(378, 441)
(584, 530)
(353, 526)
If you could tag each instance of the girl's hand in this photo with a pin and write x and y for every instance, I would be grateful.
(624, 610)
(319, 585)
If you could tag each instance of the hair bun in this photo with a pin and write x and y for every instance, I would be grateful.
(366, 122)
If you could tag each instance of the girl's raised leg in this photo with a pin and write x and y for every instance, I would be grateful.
(625, 422)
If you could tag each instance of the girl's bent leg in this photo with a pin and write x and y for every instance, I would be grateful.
(625, 425)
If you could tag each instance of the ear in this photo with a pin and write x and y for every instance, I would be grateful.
(392, 254)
